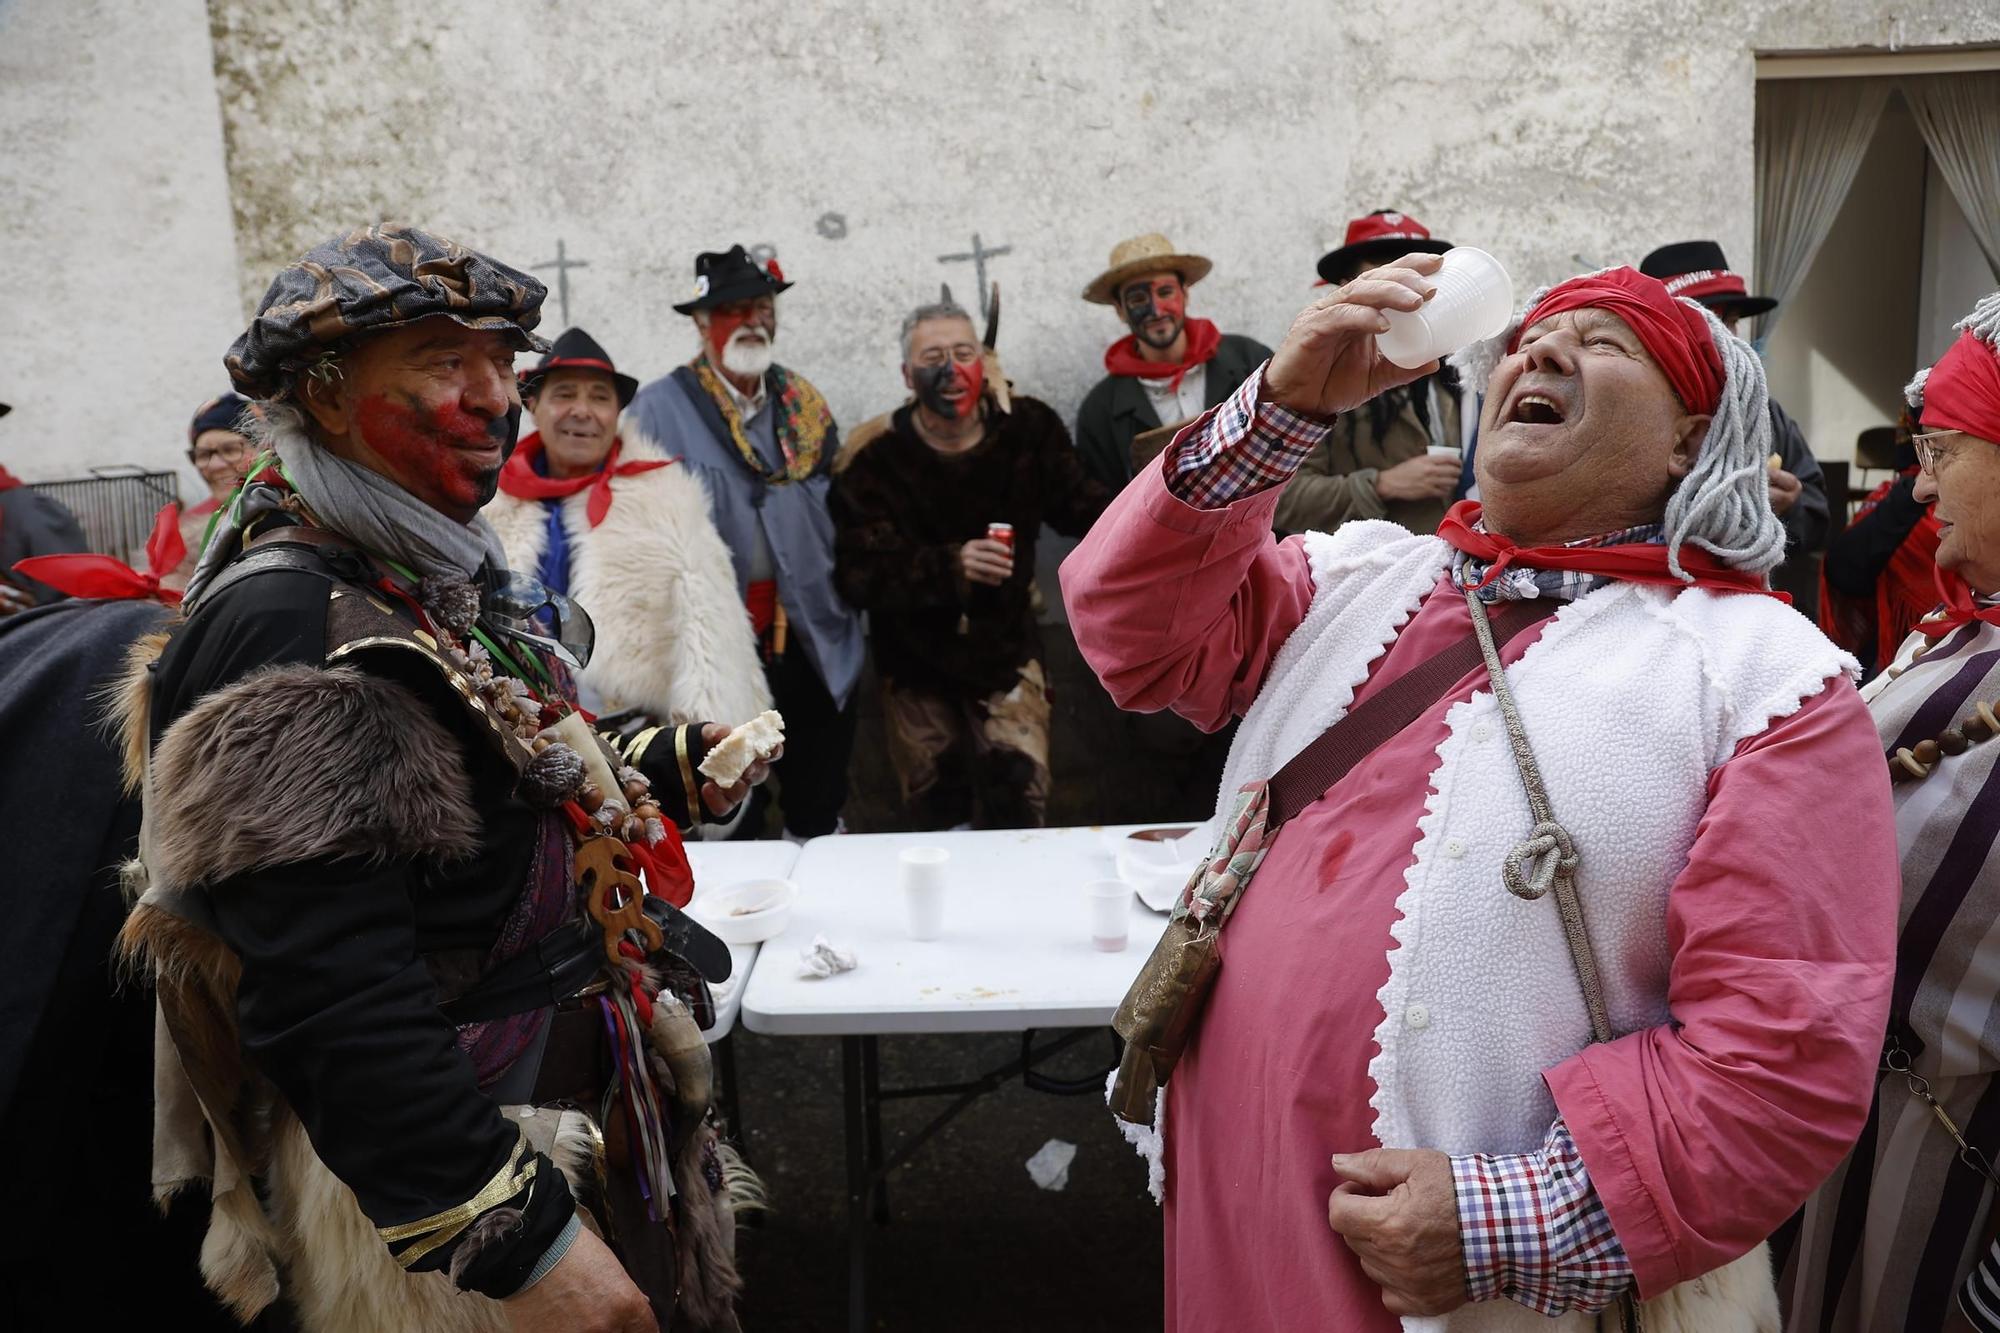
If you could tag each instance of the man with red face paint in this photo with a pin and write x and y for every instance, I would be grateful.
(762, 440)
(379, 851)
(950, 607)
(1168, 369)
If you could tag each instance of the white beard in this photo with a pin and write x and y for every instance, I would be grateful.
(746, 354)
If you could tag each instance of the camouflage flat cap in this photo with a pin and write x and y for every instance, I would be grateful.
(373, 278)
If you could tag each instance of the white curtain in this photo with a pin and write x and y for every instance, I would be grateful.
(1811, 137)
(1959, 115)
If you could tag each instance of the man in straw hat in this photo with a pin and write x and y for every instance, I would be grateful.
(380, 853)
(1170, 367)
(1398, 455)
(1587, 920)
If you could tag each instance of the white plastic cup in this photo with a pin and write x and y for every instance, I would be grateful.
(1451, 451)
(1475, 299)
(1110, 913)
(923, 890)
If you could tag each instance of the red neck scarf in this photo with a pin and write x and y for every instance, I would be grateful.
(1959, 607)
(1675, 332)
(90, 575)
(520, 480)
(1963, 391)
(8, 481)
(1122, 357)
(1634, 562)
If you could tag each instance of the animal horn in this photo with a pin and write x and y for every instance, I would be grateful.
(993, 317)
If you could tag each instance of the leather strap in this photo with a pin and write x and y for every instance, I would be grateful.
(1313, 771)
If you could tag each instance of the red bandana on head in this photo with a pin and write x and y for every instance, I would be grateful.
(1122, 357)
(1963, 391)
(1634, 562)
(520, 480)
(101, 576)
(1675, 333)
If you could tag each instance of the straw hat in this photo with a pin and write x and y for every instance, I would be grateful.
(1150, 253)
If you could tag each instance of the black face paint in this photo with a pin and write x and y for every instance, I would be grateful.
(931, 382)
(1142, 306)
(507, 430)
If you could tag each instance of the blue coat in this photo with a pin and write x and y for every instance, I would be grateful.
(793, 518)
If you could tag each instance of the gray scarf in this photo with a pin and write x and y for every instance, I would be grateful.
(383, 517)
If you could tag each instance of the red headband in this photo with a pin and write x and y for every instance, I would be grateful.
(1963, 391)
(1675, 333)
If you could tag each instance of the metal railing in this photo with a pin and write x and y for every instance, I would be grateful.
(115, 506)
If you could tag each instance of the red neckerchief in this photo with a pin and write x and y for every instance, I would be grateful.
(520, 480)
(8, 481)
(1122, 357)
(1633, 562)
(90, 575)
(1959, 608)
(205, 508)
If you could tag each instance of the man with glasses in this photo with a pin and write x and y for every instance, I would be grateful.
(390, 898)
(221, 454)
(935, 521)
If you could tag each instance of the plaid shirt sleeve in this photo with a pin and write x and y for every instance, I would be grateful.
(1239, 448)
(1535, 1230)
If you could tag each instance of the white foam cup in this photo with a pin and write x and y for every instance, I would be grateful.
(1110, 912)
(923, 890)
(1475, 299)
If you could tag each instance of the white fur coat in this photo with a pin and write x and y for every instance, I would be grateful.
(673, 636)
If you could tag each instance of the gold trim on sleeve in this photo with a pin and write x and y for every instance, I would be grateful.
(693, 788)
(637, 748)
(445, 1227)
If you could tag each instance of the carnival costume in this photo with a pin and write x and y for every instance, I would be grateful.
(418, 1020)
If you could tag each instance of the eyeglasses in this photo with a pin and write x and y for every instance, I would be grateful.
(228, 453)
(1927, 448)
(963, 353)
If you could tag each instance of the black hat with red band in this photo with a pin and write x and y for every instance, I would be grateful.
(1699, 271)
(578, 350)
(1376, 238)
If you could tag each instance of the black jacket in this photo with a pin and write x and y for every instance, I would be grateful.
(1117, 409)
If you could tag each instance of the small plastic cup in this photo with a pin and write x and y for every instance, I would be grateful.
(1110, 913)
(1475, 299)
(1451, 451)
(923, 890)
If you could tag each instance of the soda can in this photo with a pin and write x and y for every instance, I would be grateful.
(1002, 533)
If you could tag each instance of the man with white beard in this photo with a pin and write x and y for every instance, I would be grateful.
(762, 441)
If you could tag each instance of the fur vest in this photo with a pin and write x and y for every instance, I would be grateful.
(673, 637)
(1631, 697)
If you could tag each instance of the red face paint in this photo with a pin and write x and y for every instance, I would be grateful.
(968, 376)
(444, 455)
(722, 325)
(1145, 303)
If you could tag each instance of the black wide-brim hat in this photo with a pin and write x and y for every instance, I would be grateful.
(1700, 271)
(578, 350)
(1376, 238)
(731, 275)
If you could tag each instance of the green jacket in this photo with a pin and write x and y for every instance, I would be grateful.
(1117, 408)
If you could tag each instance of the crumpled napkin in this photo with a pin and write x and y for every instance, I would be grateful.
(1049, 1167)
(823, 960)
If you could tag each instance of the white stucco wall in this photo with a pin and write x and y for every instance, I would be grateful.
(118, 268)
(865, 140)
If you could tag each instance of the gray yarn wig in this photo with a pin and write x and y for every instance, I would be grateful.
(1983, 323)
(1723, 505)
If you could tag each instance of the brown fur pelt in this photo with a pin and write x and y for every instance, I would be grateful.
(291, 763)
(128, 704)
(710, 1283)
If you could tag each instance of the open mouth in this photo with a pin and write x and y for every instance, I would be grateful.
(1535, 409)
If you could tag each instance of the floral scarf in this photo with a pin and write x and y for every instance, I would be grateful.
(803, 420)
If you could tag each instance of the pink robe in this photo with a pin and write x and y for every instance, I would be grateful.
(1701, 1137)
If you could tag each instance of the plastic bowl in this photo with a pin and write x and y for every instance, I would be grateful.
(749, 911)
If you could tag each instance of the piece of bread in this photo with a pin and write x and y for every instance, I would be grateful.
(756, 739)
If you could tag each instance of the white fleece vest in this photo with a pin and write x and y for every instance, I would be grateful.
(672, 635)
(1630, 698)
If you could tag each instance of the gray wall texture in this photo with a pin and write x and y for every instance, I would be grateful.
(862, 142)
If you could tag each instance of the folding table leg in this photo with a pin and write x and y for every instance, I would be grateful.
(725, 1077)
(853, 1098)
(871, 1083)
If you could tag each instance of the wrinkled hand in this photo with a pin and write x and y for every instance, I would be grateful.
(983, 560)
(586, 1292)
(1425, 477)
(1329, 363)
(1398, 1212)
(721, 800)
(1785, 491)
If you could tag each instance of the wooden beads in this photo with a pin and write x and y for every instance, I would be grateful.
(1927, 753)
(1921, 760)
(1953, 741)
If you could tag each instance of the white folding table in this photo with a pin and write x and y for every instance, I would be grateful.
(1015, 955)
